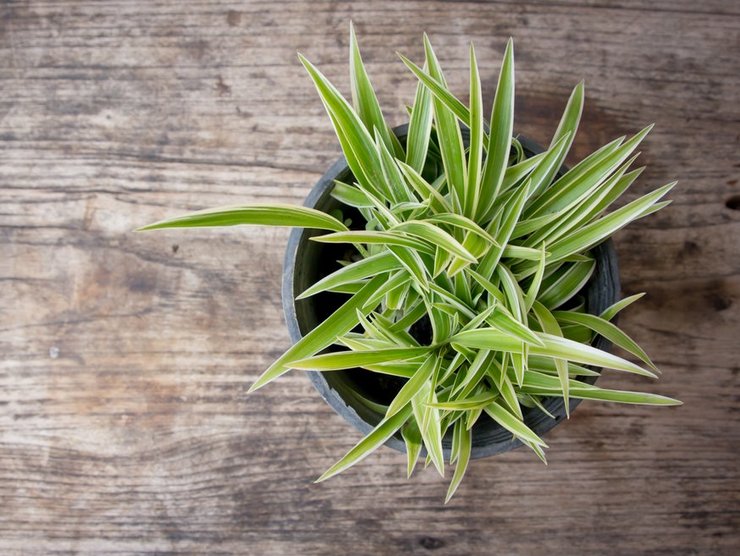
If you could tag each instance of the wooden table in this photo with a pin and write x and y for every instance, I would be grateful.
(125, 358)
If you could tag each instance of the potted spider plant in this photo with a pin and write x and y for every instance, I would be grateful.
(450, 287)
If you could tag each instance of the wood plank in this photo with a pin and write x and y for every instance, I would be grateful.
(124, 420)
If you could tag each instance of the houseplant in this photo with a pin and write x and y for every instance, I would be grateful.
(476, 288)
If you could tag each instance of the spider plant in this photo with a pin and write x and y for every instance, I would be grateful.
(488, 245)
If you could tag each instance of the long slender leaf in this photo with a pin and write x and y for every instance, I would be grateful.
(351, 359)
(364, 268)
(580, 353)
(420, 127)
(567, 127)
(412, 438)
(363, 95)
(438, 88)
(373, 237)
(550, 325)
(256, 215)
(499, 138)
(357, 143)
(436, 236)
(369, 444)
(487, 338)
(641, 398)
(337, 324)
(475, 151)
(611, 311)
(568, 283)
(501, 415)
(465, 442)
(448, 135)
(415, 384)
(598, 231)
(607, 330)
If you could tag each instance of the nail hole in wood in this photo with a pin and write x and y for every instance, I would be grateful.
(733, 203)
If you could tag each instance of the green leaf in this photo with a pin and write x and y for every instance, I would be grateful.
(528, 225)
(350, 359)
(582, 209)
(543, 381)
(567, 127)
(619, 396)
(513, 293)
(429, 421)
(588, 355)
(512, 211)
(415, 384)
(547, 365)
(564, 183)
(576, 185)
(462, 222)
(464, 443)
(549, 324)
(473, 402)
(468, 381)
(501, 415)
(375, 238)
(257, 214)
(508, 394)
(424, 189)
(499, 138)
(363, 96)
(534, 286)
(608, 331)
(519, 364)
(614, 193)
(420, 127)
(436, 236)
(412, 438)
(540, 178)
(536, 449)
(487, 338)
(403, 369)
(377, 437)
(449, 136)
(475, 152)
(364, 268)
(517, 172)
(349, 288)
(399, 191)
(438, 88)
(611, 311)
(411, 261)
(506, 323)
(601, 229)
(357, 143)
(349, 195)
(337, 324)
(567, 284)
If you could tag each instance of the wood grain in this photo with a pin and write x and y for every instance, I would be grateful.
(124, 421)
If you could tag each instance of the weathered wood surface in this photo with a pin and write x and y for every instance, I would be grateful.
(124, 420)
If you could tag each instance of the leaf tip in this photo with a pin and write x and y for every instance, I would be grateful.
(255, 386)
(321, 479)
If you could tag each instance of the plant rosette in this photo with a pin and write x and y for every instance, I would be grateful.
(451, 288)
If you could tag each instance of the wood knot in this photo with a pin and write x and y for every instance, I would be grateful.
(733, 203)
(431, 543)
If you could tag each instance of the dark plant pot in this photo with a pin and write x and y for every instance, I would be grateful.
(307, 261)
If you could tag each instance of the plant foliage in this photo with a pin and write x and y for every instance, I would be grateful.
(489, 245)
